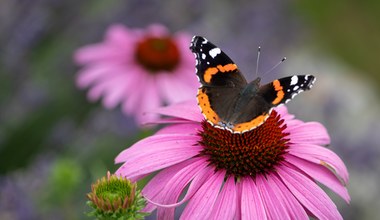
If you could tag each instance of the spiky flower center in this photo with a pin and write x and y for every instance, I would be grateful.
(158, 54)
(247, 154)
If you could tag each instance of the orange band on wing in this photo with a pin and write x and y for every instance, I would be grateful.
(227, 68)
(214, 70)
(209, 73)
(280, 93)
(204, 104)
(251, 124)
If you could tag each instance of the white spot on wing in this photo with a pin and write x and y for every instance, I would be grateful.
(215, 51)
(294, 80)
(203, 56)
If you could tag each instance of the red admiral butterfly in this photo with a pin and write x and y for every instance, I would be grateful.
(227, 100)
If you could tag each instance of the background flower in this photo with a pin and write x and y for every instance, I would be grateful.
(139, 69)
(270, 172)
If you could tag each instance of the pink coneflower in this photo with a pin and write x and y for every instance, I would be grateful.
(270, 172)
(138, 69)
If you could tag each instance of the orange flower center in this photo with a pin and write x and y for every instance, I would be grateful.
(247, 154)
(158, 54)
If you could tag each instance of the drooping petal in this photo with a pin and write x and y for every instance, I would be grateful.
(175, 186)
(201, 204)
(275, 208)
(156, 152)
(252, 206)
(322, 156)
(225, 205)
(154, 187)
(201, 177)
(321, 174)
(309, 132)
(285, 198)
(309, 194)
(167, 185)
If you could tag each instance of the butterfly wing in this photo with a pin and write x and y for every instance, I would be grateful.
(220, 78)
(214, 68)
(256, 110)
(283, 90)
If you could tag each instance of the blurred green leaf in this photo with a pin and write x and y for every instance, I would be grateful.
(350, 29)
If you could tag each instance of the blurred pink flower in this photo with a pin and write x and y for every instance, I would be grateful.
(267, 173)
(138, 69)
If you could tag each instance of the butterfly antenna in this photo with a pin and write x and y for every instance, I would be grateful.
(257, 60)
(275, 66)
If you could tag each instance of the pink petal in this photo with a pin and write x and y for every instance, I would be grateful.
(309, 133)
(283, 111)
(238, 207)
(172, 179)
(322, 156)
(309, 194)
(321, 174)
(187, 128)
(252, 206)
(170, 83)
(154, 187)
(201, 204)
(187, 110)
(293, 122)
(121, 36)
(117, 93)
(94, 73)
(176, 185)
(275, 208)
(197, 182)
(99, 52)
(157, 30)
(283, 195)
(156, 152)
(183, 39)
(169, 121)
(132, 104)
(111, 88)
(225, 205)
(150, 100)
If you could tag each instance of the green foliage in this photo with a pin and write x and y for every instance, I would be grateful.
(350, 29)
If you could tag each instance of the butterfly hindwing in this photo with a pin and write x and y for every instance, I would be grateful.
(283, 90)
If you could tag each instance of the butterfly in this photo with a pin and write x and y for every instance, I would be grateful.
(227, 100)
